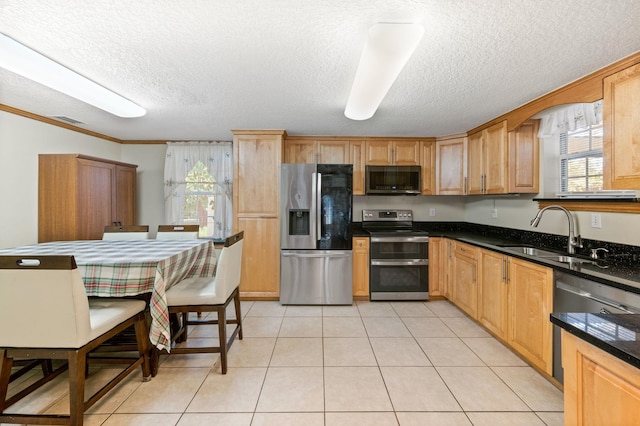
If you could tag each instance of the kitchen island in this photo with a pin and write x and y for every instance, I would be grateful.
(601, 360)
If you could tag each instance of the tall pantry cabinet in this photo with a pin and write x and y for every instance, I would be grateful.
(79, 195)
(256, 202)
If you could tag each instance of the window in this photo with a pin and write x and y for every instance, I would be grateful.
(200, 200)
(198, 186)
(581, 159)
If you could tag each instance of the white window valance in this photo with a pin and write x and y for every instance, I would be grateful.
(180, 159)
(566, 118)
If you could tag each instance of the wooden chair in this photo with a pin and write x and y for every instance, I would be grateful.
(178, 232)
(210, 295)
(61, 323)
(131, 232)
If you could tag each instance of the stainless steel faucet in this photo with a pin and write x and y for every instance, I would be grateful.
(574, 240)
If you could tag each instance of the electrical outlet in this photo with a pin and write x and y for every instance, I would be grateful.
(596, 220)
(494, 213)
(432, 212)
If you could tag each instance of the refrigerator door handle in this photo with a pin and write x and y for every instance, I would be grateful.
(314, 214)
(318, 190)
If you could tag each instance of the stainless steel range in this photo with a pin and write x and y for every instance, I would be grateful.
(399, 254)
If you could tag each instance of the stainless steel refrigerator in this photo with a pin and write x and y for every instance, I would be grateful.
(315, 236)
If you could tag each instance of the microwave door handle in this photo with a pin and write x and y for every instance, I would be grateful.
(319, 203)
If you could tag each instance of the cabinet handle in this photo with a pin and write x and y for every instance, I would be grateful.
(484, 184)
(504, 278)
(507, 269)
(449, 248)
(473, 273)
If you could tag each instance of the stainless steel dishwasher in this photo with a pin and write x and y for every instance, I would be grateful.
(575, 294)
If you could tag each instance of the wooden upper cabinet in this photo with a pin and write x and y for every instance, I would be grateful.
(621, 125)
(79, 195)
(256, 186)
(428, 167)
(316, 151)
(389, 152)
(475, 156)
(524, 158)
(487, 159)
(357, 157)
(451, 160)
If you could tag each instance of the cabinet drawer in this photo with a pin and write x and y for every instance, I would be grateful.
(461, 249)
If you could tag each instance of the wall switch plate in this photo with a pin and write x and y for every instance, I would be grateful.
(494, 213)
(432, 212)
(596, 220)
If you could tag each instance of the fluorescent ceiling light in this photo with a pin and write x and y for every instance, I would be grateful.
(389, 47)
(21, 60)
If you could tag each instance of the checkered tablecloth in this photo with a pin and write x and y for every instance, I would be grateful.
(133, 267)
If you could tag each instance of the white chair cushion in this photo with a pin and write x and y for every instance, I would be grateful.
(195, 291)
(125, 236)
(107, 313)
(177, 236)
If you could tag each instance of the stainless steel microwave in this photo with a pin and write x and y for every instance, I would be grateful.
(392, 180)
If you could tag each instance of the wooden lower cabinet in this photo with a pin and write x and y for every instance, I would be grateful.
(465, 278)
(510, 297)
(493, 292)
(530, 304)
(260, 268)
(436, 267)
(599, 389)
(361, 267)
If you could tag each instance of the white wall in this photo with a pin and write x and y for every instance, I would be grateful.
(22, 139)
(447, 208)
(150, 161)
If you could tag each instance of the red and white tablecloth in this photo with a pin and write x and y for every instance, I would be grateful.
(132, 267)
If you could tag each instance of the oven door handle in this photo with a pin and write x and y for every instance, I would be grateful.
(404, 262)
(399, 239)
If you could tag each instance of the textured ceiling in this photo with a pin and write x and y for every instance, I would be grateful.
(202, 67)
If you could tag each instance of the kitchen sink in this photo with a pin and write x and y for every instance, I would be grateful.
(531, 251)
(569, 259)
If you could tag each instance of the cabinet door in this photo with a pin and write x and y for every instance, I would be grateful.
(530, 303)
(357, 158)
(257, 182)
(436, 266)
(379, 153)
(300, 151)
(599, 389)
(495, 159)
(475, 153)
(333, 152)
(125, 195)
(451, 166)
(428, 164)
(406, 153)
(621, 125)
(493, 292)
(524, 158)
(465, 279)
(361, 266)
(96, 198)
(260, 257)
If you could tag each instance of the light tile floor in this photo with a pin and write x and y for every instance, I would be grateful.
(373, 363)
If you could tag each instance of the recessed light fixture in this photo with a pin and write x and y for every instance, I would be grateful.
(28, 63)
(389, 46)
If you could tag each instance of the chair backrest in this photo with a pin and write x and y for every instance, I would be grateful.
(178, 232)
(229, 265)
(131, 232)
(43, 303)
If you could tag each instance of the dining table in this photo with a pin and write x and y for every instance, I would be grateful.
(123, 268)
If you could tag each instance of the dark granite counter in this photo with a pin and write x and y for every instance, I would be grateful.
(621, 267)
(616, 334)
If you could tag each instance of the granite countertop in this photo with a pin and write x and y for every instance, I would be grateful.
(624, 275)
(616, 334)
